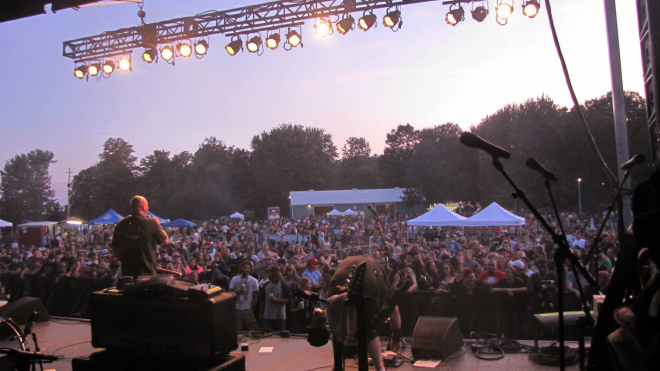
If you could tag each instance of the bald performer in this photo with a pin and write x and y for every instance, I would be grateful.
(135, 240)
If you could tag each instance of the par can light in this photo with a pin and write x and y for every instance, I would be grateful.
(479, 13)
(391, 19)
(149, 55)
(167, 53)
(323, 28)
(367, 21)
(531, 8)
(254, 44)
(234, 46)
(93, 69)
(80, 72)
(454, 16)
(201, 47)
(273, 41)
(346, 25)
(124, 64)
(504, 9)
(184, 48)
(294, 38)
(109, 66)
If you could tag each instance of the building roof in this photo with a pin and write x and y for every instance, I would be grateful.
(351, 196)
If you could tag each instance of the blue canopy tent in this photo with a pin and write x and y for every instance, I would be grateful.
(161, 220)
(178, 223)
(110, 217)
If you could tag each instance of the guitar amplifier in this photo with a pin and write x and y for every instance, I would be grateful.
(200, 327)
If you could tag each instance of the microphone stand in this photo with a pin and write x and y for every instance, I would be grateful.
(587, 321)
(560, 256)
(382, 242)
(610, 208)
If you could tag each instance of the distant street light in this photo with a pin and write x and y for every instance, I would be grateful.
(579, 196)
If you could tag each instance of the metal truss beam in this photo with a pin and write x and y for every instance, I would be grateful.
(246, 20)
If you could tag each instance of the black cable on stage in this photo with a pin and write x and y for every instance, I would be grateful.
(578, 108)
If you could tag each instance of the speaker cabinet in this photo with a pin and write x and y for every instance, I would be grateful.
(20, 310)
(202, 328)
(436, 337)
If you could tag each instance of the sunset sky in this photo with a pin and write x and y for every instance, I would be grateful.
(358, 84)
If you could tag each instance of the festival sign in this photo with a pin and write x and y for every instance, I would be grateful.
(273, 212)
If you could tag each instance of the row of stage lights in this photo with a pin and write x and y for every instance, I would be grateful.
(293, 38)
(503, 10)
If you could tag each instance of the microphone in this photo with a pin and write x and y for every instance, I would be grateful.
(635, 160)
(534, 165)
(371, 208)
(474, 141)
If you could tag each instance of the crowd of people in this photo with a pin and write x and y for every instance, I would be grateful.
(507, 272)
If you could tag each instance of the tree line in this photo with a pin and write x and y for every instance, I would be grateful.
(218, 179)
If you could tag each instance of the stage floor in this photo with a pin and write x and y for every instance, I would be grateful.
(69, 338)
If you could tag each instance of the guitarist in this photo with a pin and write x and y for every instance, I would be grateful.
(378, 292)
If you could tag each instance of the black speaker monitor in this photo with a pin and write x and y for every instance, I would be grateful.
(436, 338)
(20, 310)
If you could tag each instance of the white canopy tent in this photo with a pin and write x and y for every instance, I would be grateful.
(439, 216)
(335, 212)
(237, 216)
(350, 212)
(494, 216)
(4, 224)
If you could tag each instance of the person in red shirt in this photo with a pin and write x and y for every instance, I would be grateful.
(491, 275)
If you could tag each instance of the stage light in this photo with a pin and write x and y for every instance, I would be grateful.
(345, 25)
(479, 13)
(367, 21)
(167, 53)
(254, 44)
(323, 28)
(93, 69)
(273, 41)
(80, 71)
(504, 9)
(391, 19)
(109, 66)
(454, 16)
(149, 55)
(500, 21)
(531, 8)
(294, 38)
(234, 46)
(184, 48)
(201, 47)
(124, 64)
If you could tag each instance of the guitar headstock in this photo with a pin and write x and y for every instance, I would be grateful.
(356, 283)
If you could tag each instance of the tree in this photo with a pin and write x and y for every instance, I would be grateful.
(357, 168)
(290, 158)
(111, 183)
(356, 147)
(25, 188)
(441, 169)
(399, 150)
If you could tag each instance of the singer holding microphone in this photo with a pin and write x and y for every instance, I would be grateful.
(135, 238)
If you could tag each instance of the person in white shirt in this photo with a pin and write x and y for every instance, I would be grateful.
(246, 288)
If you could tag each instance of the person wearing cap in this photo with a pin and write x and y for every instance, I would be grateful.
(519, 270)
(275, 299)
(137, 251)
(313, 273)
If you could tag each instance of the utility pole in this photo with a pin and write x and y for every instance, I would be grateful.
(619, 105)
(68, 194)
